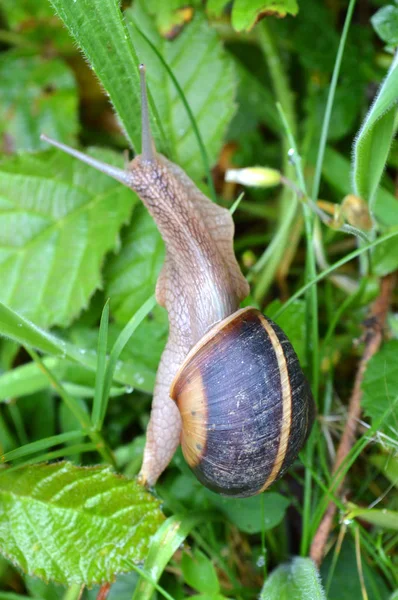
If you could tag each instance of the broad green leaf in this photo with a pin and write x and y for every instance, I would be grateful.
(58, 219)
(373, 142)
(380, 388)
(384, 518)
(42, 98)
(130, 276)
(385, 23)
(336, 170)
(296, 580)
(252, 515)
(206, 75)
(199, 572)
(99, 29)
(394, 595)
(164, 544)
(72, 524)
(246, 13)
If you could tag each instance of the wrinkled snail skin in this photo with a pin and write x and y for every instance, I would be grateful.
(245, 405)
(239, 404)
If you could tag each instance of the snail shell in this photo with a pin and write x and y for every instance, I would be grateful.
(245, 405)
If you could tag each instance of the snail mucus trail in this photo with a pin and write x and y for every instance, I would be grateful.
(229, 385)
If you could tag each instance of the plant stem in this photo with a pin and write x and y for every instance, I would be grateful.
(312, 333)
(373, 335)
(289, 203)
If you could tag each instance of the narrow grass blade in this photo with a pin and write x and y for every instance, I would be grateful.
(332, 268)
(43, 444)
(101, 367)
(164, 544)
(373, 143)
(118, 347)
(62, 453)
(330, 101)
(24, 332)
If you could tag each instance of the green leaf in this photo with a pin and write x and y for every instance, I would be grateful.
(384, 518)
(336, 170)
(72, 524)
(297, 580)
(58, 219)
(99, 29)
(373, 143)
(385, 23)
(131, 275)
(380, 387)
(199, 572)
(209, 91)
(252, 515)
(42, 98)
(246, 13)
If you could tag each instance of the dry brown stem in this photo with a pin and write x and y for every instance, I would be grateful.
(373, 335)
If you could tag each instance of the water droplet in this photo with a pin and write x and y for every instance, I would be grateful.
(260, 561)
(139, 378)
(19, 324)
(82, 351)
(129, 389)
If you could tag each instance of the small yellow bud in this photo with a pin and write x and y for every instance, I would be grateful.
(254, 176)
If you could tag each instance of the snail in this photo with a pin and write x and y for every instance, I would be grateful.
(229, 386)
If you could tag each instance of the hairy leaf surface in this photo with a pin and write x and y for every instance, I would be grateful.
(58, 219)
(206, 75)
(72, 524)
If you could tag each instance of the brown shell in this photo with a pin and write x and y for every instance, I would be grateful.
(245, 404)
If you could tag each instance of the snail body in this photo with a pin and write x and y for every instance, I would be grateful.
(263, 423)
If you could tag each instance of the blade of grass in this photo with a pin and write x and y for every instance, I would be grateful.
(43, 444)
(19, 329)
(330, 101)
(273, 255)
(101, 368)
(332, 268)
(67, 451)
(117, 349)
(76, 409)
(165, 543)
